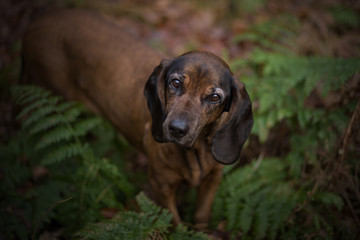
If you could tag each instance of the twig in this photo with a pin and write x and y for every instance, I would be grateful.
(348, 202)
(348, 132)
(343, 152)
(257, 163)
(45, 214)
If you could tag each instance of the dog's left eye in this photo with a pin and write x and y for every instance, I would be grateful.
(175, 83)
(214, 98)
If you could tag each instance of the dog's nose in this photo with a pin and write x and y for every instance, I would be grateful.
(178, 128)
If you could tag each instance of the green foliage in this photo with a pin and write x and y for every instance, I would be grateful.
(183, 233)
(239, 7)
(151, 223)
(67, 143)
(55, 127)
(346, 16)
(291, 79)
(277, 35)
(271, 197)
(53, 159)
(258, 200)
(131, 225)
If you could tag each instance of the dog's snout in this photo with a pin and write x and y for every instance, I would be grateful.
(178, 128)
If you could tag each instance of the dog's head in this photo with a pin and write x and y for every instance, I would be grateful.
(187, 96)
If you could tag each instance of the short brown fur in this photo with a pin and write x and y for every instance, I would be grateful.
(84, 57)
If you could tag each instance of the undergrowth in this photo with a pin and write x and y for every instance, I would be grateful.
(151, 223)
(52, 159)
(298, 195)
(64, 168)
(54, 176)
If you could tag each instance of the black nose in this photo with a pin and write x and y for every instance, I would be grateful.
(178, 128)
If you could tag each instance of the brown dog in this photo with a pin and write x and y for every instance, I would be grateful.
(200, 114)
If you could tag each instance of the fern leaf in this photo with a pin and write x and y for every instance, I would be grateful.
(62, 152)
(246, 216)
(67, 105)
(56, 135)
(28, 93)
(46, 123)
(281, 208)
(183, 233)
(329, 198)
(232, 210)
(131, 225)
(84, 126)
(39, 103)
(263, 212)
(38, 114)
(160, 217)
(64, 132)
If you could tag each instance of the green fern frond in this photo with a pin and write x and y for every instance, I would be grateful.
(37, 104)
(252, 196)
(298, 76)
(84, 126)
(183, 233)
(69, 116)
(63, 133)
(56, 140)
(329, 199)
(257, 201)
(54, 136)
(55, 123)
(245, 216)
(27, 93)
(67, 105)
(151, 223)
(63, 152)
(38, 114)
(276, 35)
(159, 217)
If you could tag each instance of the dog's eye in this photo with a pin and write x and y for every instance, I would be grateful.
(175, 83)
(214, 98)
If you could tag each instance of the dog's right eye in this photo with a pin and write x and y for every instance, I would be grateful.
(175, 83)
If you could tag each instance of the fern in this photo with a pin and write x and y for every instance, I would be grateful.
(275, 35)
(62, 133)
(151, 223)
(183, 233)
(257, 201)
(69, 116)
(55, 139)
(53, 124)
(274, 70)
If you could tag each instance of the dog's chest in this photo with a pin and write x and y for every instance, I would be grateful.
(199, 164)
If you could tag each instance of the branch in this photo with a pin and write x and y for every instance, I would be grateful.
(348, 132)
(45, 214)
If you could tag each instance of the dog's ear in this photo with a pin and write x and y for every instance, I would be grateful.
(154, 94)
(233, 132)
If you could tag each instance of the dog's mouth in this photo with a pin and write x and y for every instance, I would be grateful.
(181, 130)
(186, 141)
(187, 144)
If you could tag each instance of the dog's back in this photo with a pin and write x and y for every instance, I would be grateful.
(200, 113)
(84, 57)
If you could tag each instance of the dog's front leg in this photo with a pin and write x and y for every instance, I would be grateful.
(164, 181)
(164, 185)
(205, 196)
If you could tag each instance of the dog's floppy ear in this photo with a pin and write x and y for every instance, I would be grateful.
(154, 94)
(232, 134)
